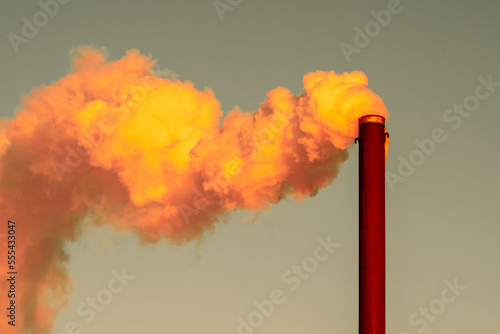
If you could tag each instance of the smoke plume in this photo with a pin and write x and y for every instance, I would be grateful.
(114, 144)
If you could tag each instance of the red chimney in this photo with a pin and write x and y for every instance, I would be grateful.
(372, 136)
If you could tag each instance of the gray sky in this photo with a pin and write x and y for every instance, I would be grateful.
(442, 211)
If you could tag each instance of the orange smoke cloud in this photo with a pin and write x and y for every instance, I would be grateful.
(113, 143)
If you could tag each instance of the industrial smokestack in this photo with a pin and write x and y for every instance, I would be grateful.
(372, 136)
(111, 143)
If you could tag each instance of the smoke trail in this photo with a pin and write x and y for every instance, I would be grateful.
(113, 143)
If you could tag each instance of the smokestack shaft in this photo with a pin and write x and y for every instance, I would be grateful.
(371, 225)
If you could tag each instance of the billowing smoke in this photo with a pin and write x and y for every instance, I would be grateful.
(111, 143)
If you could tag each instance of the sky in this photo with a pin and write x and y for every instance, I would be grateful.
(435, 65)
